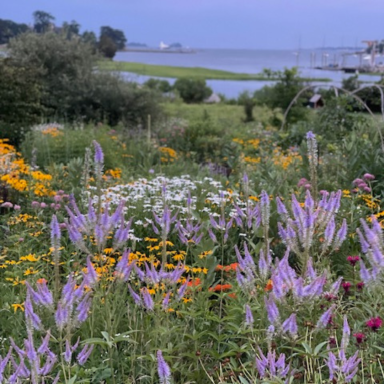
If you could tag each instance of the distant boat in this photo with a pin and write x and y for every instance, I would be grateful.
(163, 46)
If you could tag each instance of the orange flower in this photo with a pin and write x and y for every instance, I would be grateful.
(227, 268)
(41, 281)
(194, 282)
(220, 288)
(269, 286)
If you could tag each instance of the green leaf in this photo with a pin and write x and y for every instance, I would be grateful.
(319, 347)
(243, 381)
(73, 380)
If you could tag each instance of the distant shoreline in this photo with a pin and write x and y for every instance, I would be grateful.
(156, 50)
(167, 71)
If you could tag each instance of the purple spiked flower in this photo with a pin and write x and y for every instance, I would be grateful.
(281, 209)
(341, 235)
(83, 356)
(30, 315)
(249, 320)
(272, 310)
(166, 301)
(68, 352)
(83, 308)
(61, 316)
(290, 325)
(91, 275)
(346, 334)
(55, 230)
(265, 208)
(326, 317)
(364, 273)
(163, 369)
(44, 345)
(136, 298)
(147, 299)
(329, 233)
(99, 155)
(181, 291)
(123, 268)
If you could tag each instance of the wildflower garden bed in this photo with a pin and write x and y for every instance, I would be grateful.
(181, 279)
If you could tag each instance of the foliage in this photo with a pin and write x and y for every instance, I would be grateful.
(283, 93)
(20, 94)
(159, 85)
(192, 90)
(10, 29)
(116, 35)
(72, 90)
(42, 21)
(248, 102)
(107, 47)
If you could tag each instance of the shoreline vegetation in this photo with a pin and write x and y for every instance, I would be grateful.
(191, 72)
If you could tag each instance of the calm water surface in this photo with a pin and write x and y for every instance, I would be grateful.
(248, 61)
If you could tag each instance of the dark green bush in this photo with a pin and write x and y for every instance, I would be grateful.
(72, 90)
(192, 90)
(20, 94)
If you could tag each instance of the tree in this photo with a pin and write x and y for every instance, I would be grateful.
(283, 92)
(69, 30)
(71, 88)
(10, 29)
(192, 90)
(20, 94)
(248, 102)
(159, 85)
(107, 47)
(89, 37)
(116, 35)
(42, 21)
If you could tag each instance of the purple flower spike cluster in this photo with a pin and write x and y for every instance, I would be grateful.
(30, 363)
(189, 232)
(341, 368)
(372, 245)
(221, 226)
(74, 304)
(300, 228)
(286, 280)
(164, 222)
(72, 310)
(151, 276)
(249, 217)
(271, 368)
(163, 369)
(247, 271)
(99, 226)
(99, 159)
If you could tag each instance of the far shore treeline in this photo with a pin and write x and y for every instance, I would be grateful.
(109, 41)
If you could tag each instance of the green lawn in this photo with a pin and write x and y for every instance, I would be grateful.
(191, 72)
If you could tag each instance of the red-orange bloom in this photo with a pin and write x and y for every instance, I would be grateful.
(194, 283)
(269, 286)
(220, 288)
(227, 268)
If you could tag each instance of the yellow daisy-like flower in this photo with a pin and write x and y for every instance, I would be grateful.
(18, 306)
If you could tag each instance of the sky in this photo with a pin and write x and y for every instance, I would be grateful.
(243, 24)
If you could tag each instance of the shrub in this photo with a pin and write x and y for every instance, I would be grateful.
(283, 92)
(192, 90)
(72, 90)
(20, 94)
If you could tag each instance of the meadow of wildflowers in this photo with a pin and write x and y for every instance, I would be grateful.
(170, 277)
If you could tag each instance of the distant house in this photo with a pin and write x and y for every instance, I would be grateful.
(213, 99)
(316, 101)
